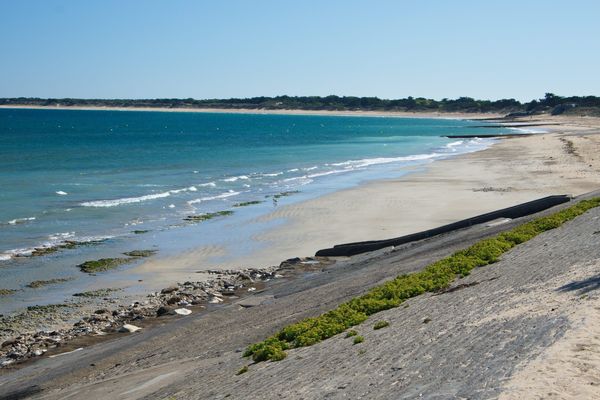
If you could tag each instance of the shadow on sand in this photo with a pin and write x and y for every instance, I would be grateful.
(583, 286)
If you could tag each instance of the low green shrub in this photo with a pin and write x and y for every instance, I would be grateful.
(381, 324)
(358, 339)
(351, 333)
(434, 277)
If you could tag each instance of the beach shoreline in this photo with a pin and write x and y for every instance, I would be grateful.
(357, 113)
(435, 194)
(511, 171)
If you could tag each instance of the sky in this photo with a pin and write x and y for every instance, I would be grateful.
(221, 49)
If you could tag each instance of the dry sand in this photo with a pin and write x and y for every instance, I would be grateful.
(566, 161)
(570, 367)
(402, 114)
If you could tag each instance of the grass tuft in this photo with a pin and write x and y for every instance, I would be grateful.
(243, 370)
(351, 333)
(381, 324)
(358, 339)
(436, 276)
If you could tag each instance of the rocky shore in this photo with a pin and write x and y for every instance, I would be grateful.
(182, 299)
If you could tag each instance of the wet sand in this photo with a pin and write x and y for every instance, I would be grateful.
(512, 171)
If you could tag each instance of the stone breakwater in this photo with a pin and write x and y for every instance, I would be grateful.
(172, 300)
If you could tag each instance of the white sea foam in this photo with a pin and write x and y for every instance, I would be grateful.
(273, 174)
(217, 197)
(61, 236)
(208, 184)
(54, 240)
(385, 160)
(20, 220)
(188, 189)
(528, 130)
(130, 200)
(126, 200)
(297, 180)
(61, 193)
(454, 144)
(332, 172)
(236, 178)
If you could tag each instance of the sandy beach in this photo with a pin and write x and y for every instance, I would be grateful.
(401, 114)
(512, 171)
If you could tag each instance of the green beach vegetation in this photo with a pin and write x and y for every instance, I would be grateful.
(351, 333)
(96, 293)
(103, 264)
(53, 281)
(6, 292)
(242, 370)
(381, 324)
(358, 339)
(140, 253)
(247, 203)
(207, 216)
(393, 293)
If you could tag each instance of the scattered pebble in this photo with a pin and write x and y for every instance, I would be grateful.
(22, 345)
(129, 328)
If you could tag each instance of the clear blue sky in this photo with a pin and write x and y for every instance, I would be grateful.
(220, 49)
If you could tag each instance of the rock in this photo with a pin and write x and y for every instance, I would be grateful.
(174, 300)
(170, 289)
(129, 328)
(183, 311)
(5, 361)
(164, 311)
(8, 343)
(215, 300)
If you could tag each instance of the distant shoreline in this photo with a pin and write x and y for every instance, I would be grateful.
(397, 114)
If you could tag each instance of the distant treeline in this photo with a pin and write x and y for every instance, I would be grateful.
(549, 103)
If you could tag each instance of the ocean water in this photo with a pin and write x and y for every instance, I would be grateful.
(97, 176)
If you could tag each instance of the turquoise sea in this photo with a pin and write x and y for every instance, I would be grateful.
(96, 177)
